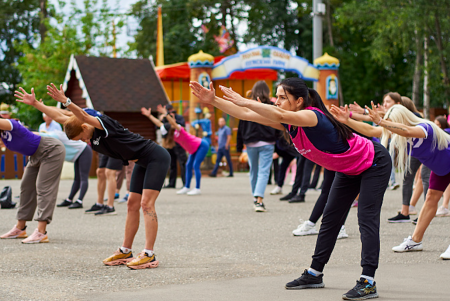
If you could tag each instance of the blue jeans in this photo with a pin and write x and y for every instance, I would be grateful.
(194, 162)
(220, 153)
(260, 161)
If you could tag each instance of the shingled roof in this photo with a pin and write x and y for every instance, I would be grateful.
(117, 84)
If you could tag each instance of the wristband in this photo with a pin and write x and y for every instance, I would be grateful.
(381, 119)
(350, 114)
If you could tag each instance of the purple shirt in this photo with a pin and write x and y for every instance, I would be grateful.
(20, 139)
(433, 158)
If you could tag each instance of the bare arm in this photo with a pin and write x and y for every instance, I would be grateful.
(173, 122)
(5, 125)
(342, 115)
(148, 114)
(227, 145)
(84, 117)
(30, 99)
(208, 96)
(361, 117)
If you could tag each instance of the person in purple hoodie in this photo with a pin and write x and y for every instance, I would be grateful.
(361, 166)
(40, 181)
(442, 211)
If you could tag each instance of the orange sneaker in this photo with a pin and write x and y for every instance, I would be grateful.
(143, 261)
(36, 238)
(118, 258)
(15, 233)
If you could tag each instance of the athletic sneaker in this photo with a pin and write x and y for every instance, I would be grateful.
(415, 221)
(15, 233)
(116, 196)
(95, 208)
(355, 204)
(446, 254)
(259, 207)
(306, 280)
(124, 199)
(305, 229)
(65, 203)
(442, 211)
(36, 238)
(394, 186)
(194, 191)
(276, 190)
(408, 245)
(342, 234)
(76, 205)
(399, 218)
(412, 210)
(297, 199)
(288, 196)
(143, 261)
(363, 290)
(118, 258)
(183, 190)
(106, 210)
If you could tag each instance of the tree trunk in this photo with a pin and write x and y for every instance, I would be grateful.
(442, 59)
(417, 65)
(43, 16)
(330, 31)
(426, 95)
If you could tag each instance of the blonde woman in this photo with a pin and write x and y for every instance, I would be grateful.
(421, 139)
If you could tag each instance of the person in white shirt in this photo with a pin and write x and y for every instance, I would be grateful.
(49, 125)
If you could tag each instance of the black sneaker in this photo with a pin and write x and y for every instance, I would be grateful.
(95, 208)
(212, 175)
(400, 218)
(363, 290)
(230, 176)
(287, 197)
(64, 203)
(76, 205)
(259, 207)
(415, 221)
(297, 199)
(106, 210)
(306, 280)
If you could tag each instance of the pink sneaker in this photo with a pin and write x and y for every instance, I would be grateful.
(15, 233)
(36, 237)
(355, 203)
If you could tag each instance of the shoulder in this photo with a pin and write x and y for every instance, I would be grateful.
(427, 129)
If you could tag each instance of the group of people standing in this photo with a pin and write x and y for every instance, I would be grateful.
(335, 139)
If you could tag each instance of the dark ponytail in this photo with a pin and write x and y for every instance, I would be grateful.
(297, 88)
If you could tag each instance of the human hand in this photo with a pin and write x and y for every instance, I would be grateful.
(24, 97)
(341, 114)
(146, 112)
(203, 94)
(373, 114)
(234, 97)
(161, 109)
(56, 94)
(356, 108)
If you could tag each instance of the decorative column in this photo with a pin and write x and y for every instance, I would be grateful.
(327, 87)
(201, 65)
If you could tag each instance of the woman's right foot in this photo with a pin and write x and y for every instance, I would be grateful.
(304, 229)
(183, 190)
(288, 196)
(118, 258)
(259, 207)
(65, 203)
(442, 211)
(143, 261)
(95, 208)
(15, 233)
(306, 280)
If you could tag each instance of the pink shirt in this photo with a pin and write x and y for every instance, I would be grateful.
(357, 159)
(187, 141)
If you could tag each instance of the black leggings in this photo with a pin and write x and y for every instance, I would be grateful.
(150, 170)
(82, 167)
(371, 185)
(328, 177)
(285, 162)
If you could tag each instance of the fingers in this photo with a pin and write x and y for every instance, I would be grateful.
(23, 90)
(373, 105)
(211, 86)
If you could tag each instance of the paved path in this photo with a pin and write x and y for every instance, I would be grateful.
(212, 247)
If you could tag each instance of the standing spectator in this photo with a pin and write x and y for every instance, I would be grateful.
(49, 125)
(223, 147)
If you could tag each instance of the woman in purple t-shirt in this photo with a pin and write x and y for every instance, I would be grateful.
(421, 139)
(40, 180)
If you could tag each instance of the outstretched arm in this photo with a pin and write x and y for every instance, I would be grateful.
(173, 122)
(208, 96)
(397, 128)
(148, 114)
(30, 99)
(342, 115)
(84, 117)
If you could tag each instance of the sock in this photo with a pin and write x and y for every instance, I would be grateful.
(80, 201)
(69, 200)
(125, 250)
(109, 207)
(98, 204)
(314, 272)
(148, 252)
(310, 223)
(368, 278)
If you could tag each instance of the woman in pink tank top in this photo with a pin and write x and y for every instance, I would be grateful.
(361, 166)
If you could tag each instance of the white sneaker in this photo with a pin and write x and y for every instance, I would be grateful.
(183, 190)
(442, 211)
(305, 229)
(408, 245)
(194, 191)
(446, 254)
(342, 234)
(276, 190)
(394, 186)
(412, 210)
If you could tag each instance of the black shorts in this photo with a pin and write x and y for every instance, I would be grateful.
(110, 163)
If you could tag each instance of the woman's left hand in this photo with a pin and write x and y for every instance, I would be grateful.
(56, 94)
(25, 97)
(234, 97)
(373, 113)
